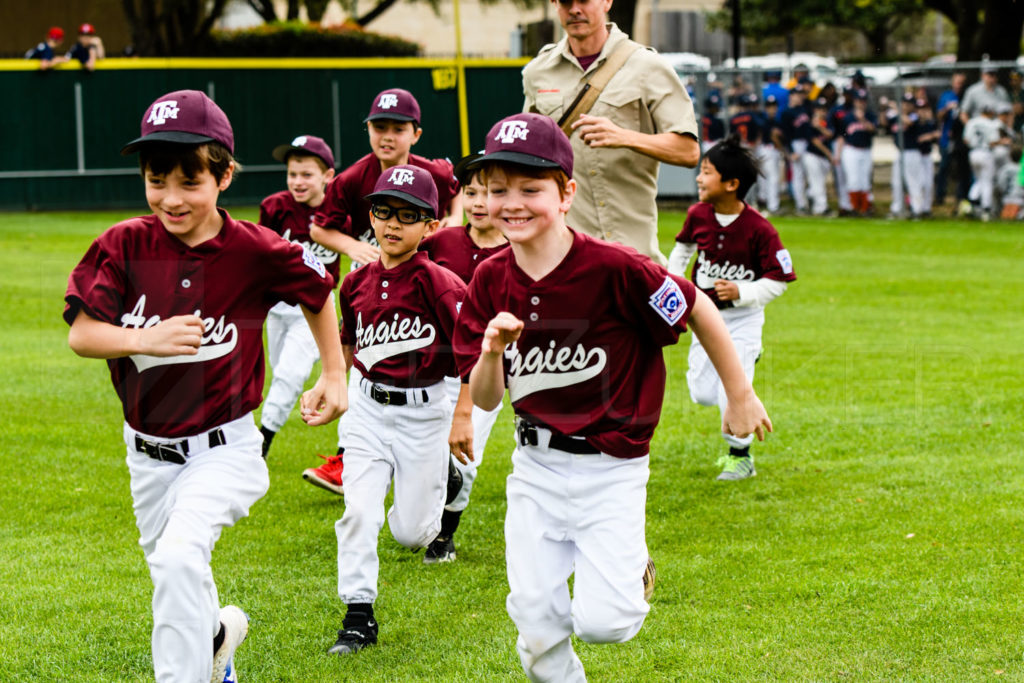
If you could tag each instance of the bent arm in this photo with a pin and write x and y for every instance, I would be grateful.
(670, 148)
(335, 240)
(92, 338)
(680, 257)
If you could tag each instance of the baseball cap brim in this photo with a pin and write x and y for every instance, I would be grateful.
(281, 153)
(513, 158)
(465, 167)
(388, 116)
(174, 136)
(404, 196)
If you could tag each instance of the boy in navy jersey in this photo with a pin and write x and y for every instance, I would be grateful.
(175, 302)
(741, 265)
(398, 314)
(289, 213)
(575, 327)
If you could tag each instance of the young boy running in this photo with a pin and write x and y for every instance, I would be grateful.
(741, 265)
(574, 327)
(398, 315)
(289, 213)
(461, 250)
(343, 222)
(175, 303)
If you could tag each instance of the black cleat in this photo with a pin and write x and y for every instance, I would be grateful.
(355, 636)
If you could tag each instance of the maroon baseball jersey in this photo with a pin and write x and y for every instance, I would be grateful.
(454, 249)
(589, 360)
(136, 274)
(291, 220)
(345, 209)
(747, 249)
(400, 321)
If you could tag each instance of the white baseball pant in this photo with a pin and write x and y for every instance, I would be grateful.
(573, 514)
(483, 423)
(404, 444)
(292, 352)
(858, 168)
(839, 173)
(896, 184)
(816, 169)
(927, 181)
(768, 186)
(744, 325)
(180, 511)
(913, 178)
(797, 177)
(984, 168)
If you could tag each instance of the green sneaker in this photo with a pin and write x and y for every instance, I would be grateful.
(735, 467)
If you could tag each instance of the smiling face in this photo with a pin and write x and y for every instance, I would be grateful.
(187, 206)
(525, 208)
(710, 186)
(398, 241)
(391, 141)
(307, 179)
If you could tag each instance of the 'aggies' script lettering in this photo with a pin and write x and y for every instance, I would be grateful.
(401, 335)
(708, 272)
(558, 366)
(218, 339)
(323, 253)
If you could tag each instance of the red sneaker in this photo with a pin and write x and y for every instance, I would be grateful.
(328, 475)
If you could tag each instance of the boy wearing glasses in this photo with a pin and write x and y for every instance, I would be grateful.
(398, 317)
(342, 223)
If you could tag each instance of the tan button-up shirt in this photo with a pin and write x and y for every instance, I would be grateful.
(616, 199)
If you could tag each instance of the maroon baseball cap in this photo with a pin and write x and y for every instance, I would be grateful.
(184, 116)
(411, 183)
(394, 104)
(306, 144)
(528, 140)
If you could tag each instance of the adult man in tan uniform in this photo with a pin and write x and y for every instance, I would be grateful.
(643, 116)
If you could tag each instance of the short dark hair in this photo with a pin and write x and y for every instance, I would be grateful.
(160, 158)
(733, 161)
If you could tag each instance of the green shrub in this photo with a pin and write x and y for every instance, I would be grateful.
(297, 39)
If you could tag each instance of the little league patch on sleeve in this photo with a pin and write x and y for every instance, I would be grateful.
(782, 256)
(668, 301)
(313, 262)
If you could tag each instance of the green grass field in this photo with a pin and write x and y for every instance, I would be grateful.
(880, 540)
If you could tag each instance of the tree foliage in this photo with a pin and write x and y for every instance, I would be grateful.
(984, 27)
(171, 27)
(875, 19)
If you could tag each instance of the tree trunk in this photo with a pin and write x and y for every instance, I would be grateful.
(623, 14)
(264, 8)
(293, 10)
(315, 10)
(378, 10)
(878, 39)
(1000, 34)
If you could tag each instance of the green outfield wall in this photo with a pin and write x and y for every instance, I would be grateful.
(62, 130)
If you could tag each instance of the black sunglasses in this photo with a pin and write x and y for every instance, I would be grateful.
(404, 215)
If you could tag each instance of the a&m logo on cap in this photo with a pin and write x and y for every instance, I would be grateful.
(162, 111)
(300, 141)
(401, 176)
(512, 131)
(388, 100)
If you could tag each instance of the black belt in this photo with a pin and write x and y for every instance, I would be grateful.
(570, 444)
(393, 398)
(175, 451)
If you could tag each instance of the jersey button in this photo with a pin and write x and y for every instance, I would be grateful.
(535, 300)
(186, 283)
(534, 317)
(384, 284)
(384, 295)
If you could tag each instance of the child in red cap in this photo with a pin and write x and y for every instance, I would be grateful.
(44, 51)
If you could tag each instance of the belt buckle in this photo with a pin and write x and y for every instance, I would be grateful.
(380, 395)
(169, 452)
(527, 434)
